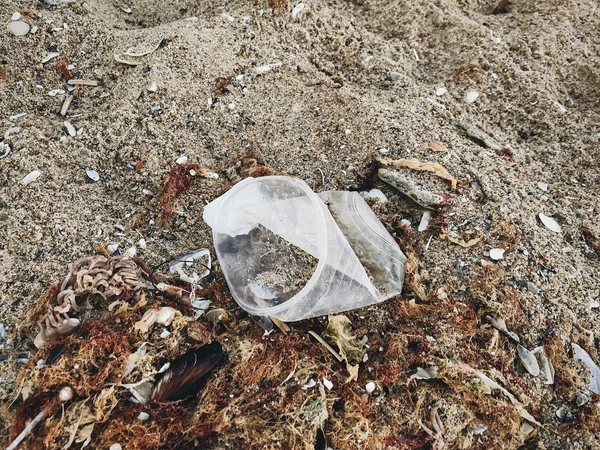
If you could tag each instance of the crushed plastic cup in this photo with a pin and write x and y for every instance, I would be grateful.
(289, 253)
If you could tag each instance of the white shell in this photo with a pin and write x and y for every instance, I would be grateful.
(142, 243)
(15, 16)
(31, 177)
(424, 224)
(440, 91)
(370, 387)
(92, 174)
(376, 193)
(543, 186)
(581, 355)
(50, 56)
(143, 416)
(328, 384)
(497, 254)
(18, 28)
(116, 446)
(70, 128)
(152, 86)
(165, 315)
(529, 360)
(183, 159)
(471, 96)
(550, 223)
(296, 10)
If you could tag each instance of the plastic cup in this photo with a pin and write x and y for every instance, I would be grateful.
(289, 253)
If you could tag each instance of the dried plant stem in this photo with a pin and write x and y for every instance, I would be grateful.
(28, 429)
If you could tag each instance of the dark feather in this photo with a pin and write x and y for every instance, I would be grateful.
(56, 351)
(321, 443)
(185, 376)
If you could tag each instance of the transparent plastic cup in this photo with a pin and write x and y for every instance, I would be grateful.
(289, 253)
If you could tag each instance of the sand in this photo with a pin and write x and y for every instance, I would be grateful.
(315, 96)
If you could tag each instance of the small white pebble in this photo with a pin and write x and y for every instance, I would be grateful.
(440, 91)
(143, 416)
(165, 334)
(370, 387)
(543, 186)
(365, 358)
(40, 364)
(142, 243)
(183, 159)
(34, 30)
(231, 106)
(65, 394)
(497, 254)
(131, 252)
(31, 177)
(471, 96)
(152, 86)
(328, 384)
(193, 172)
(15, 16)
(116, 447)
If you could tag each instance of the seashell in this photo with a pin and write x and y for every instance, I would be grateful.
(92, 174)
(18, 28)
(471, 96)
(497, 254)
(550, 223)
(31, 177)
(529, 360)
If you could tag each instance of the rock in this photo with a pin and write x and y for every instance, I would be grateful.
(531, 287)
(370, 387)
(18, 28)
(440, 91)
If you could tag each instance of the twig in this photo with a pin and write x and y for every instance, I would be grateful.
(326, 345)
(28, 429)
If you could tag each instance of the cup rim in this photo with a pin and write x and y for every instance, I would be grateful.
(321, 241)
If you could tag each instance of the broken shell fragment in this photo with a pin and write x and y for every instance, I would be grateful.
(497, 254)
(582, 356)
(70, 128)
(31, 177)
(529, 360)
(471, 96)
(152, 86)
(547, 366)
(550, 223)
(18, 28)
(92, 174)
